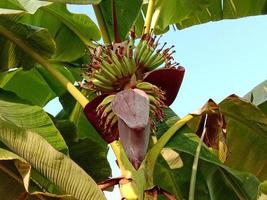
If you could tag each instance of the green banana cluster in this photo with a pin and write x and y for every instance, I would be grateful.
(113, 67)
(108, 119)
(156, 99)
(156, 96)
(148, 57)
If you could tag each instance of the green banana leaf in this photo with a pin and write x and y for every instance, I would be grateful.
(183, 14)
(139, 24)
(15, 81)
(127, 14)
(57, 167)
(187, 13)
(23, 5)
(36, 85)
(30, 117)
(246, 136)
(78, 29)
(36, 38)
(59, 25)
(10, 13)
(86, 147)
(242, 8)
(89, 150)
(28, 85)
(215, 180)
(84, 128)
(92, 157)
(258, 96)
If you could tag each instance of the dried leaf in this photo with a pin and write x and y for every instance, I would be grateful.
(104, 185)
(156, 190)
(215, 136)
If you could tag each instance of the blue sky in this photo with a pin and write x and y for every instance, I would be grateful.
(220, 58)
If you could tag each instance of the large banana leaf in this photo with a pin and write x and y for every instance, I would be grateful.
(77, 29)
(23, 5)
(38, 39)
(36, 85)
(246, 136)
(184, 14)
(187, 13)
(29, 117)
(86, 147)
(57, 167)
(28, 85)
(89, 150)
(83, 159)
(241, 8)
(92, 157)
(60, 24)
(214, 179)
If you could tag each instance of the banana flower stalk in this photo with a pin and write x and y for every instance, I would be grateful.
(131, 91)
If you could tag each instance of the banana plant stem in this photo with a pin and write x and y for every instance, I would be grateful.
(76, 113)
(195, 163)
(149, 14)
(101, 24)
(134, 189)
(156, 15)
(123, 162)
(45, 63)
